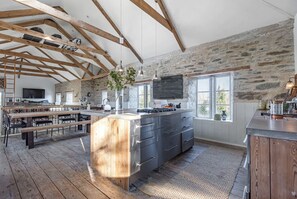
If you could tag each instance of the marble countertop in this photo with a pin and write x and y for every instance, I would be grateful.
(131, 114)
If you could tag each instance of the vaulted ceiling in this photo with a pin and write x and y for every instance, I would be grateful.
(147, 33)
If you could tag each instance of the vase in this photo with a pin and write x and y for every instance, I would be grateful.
(119, 100)
(224, 115)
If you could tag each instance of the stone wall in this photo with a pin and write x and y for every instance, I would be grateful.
(74, 86)
(267, 51)
(295, 39)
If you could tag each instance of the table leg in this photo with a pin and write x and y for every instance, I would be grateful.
(79, 119)
(30, 135)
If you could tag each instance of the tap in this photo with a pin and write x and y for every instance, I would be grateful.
(107, 100)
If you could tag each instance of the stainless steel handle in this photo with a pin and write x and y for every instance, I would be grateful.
(146, 125)
(171, 148)
(140, 164)
(188, 140)
(140, 141)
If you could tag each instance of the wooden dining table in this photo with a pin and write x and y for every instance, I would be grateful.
(29, 119)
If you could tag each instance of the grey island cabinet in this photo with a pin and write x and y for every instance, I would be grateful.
(129, 145)
(271, 158)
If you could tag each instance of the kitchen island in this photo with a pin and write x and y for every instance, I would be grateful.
(272, 157)
(129, 145)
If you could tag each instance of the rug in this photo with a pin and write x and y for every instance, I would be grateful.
(210, 176)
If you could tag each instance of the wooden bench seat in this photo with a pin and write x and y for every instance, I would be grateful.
(39, 128)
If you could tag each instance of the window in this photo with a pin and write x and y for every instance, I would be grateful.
(104, 97)
(144, 96)
(214, 95)
(69, 97)
(58, 98)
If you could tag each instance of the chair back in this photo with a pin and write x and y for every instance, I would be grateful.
(6, 120)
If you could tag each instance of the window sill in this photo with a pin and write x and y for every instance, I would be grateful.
(212, 120)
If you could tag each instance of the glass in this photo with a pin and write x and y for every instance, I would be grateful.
(223, 97)
(223, 83)
(203, 111)
(203, 98)
(203, 84)
(141, 90)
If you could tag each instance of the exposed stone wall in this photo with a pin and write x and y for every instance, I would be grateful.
(295, 38)
(268, 51)
(74, 86)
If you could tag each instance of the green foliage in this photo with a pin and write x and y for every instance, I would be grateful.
(119, 80)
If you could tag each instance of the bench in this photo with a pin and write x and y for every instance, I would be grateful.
(39, 128)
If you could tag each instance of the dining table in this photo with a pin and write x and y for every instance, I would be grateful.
(28, 116)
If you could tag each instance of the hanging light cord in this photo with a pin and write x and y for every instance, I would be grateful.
(121, 13)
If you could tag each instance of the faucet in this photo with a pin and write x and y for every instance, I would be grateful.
(107, 100)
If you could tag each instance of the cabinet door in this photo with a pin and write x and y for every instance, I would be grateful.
(260, 168)
(283, 169)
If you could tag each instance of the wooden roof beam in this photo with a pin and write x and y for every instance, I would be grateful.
(79, 65)
(26, 74)
(22, 55)
(44, 46)
(28, 70)
(88, 67)
(67, 18)
(12, 61)
(17, 28)
(166, 22)
(48, 56)
(21, 13)
(173, 30)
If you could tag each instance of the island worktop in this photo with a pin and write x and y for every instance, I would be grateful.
(271, 157)
(127, 145)
(265, 126)
(131, 114)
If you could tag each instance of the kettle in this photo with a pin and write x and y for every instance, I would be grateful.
(178, 105)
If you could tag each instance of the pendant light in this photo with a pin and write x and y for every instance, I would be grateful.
(140, 72)
(155, 77)
(120, 66)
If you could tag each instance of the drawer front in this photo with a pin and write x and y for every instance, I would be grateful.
(187, 139)
(150, 120)
(170, 121)
(187, 124)
(186, 115)
(169, 133)
(148, 152)
(172, 147)
(148, 141)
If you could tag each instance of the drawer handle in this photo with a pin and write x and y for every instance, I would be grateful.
(141, 141)
(171, 148)
(169, 133)
(185, 127)
(140, 164)
(146, 125)
(188, 140)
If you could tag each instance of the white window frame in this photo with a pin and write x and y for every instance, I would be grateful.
(212, 90)
(104, 97)
(147, 87)
(69, 102)
(58, 102)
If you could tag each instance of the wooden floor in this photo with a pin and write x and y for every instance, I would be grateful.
(61, 170)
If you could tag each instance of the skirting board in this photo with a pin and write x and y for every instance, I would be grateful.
(224, 144)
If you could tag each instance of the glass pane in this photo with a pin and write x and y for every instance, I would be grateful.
(203, 98)
(141, 90)
(141, 101)
(223, 97)
(148, 100)
(221, 108)
(148, 89)
(203, 84)
(223, 83)
(203, 111)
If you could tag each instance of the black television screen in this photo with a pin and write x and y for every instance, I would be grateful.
(170, 87)
(31, 93)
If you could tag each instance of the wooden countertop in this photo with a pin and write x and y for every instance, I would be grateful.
(40, 114)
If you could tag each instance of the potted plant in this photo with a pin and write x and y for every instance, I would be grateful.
(119, 80)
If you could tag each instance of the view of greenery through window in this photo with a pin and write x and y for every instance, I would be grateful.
(144, 96)
(214, 96)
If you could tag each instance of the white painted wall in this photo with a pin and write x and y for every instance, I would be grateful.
(295, 41)
(36, 82)
(232, 133)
